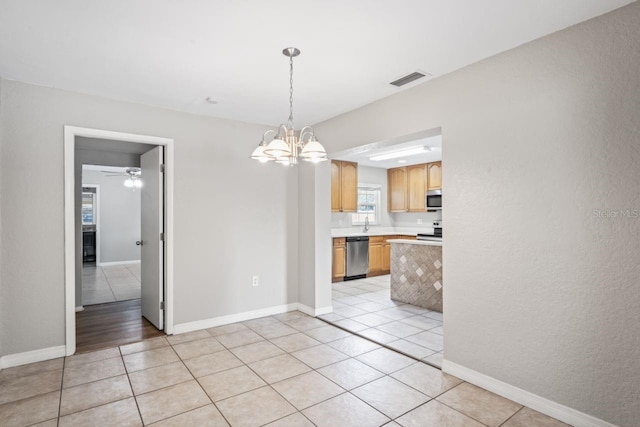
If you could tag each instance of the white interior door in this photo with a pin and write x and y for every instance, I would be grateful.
(152, 225)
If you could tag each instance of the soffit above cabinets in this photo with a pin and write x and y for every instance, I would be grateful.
(176, 54)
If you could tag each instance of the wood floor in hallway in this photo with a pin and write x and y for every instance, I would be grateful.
(112, 324)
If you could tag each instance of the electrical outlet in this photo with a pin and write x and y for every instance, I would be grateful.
(255, 281)
(419, 220)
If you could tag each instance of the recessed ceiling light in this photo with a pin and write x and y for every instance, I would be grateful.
(210, 100)
(402, 161)
(400, 153)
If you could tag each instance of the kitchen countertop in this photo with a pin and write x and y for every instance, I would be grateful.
(379, 231)
(416, 242)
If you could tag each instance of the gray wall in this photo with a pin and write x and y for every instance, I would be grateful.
(3, 296)
(234, 217)
(119, 216)
(540, 291)
(314, 235)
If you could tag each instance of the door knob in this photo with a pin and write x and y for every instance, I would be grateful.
(139, 243)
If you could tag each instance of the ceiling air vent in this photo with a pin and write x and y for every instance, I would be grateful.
(407, 79)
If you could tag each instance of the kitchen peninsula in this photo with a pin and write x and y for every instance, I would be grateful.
(416, 273)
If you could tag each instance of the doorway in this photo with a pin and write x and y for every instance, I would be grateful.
(128, 319)
(396, 300)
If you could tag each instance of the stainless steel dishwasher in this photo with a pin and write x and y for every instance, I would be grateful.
(357, 257)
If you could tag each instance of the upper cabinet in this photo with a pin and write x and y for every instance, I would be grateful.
(434, 171)
(407, 186)
(416, 187)
(344, 186)
(397, 189)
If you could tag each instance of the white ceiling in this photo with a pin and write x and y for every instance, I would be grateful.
(174, 54)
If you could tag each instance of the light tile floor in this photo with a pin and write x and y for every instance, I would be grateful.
(110, 284)
(365, 308)
(284, 370)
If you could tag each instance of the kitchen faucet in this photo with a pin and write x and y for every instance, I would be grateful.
(366, 224)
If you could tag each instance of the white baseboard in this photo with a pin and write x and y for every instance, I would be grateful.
(533, 401)
(107, 264)
(79, 308)
(232, 318)
(18, 359)
(314, 311)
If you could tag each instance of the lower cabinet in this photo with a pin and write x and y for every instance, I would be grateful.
(386, 254)
(379, 256)
(375, 255)
(339, 259)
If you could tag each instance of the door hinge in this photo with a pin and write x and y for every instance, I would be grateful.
(161, 305)
(162, 237)
(162, 168)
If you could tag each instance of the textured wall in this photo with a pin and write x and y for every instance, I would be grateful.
(223, 200)
(541, 291)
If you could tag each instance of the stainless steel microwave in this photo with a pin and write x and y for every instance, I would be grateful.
(434, 200)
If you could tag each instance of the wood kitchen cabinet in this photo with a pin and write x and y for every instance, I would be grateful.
(375, 255)
(416, 188)
(386, 254)
(406, 187)
(434, 173)
(397, 189)
(379, 255)
(344, 186)
(339, 259)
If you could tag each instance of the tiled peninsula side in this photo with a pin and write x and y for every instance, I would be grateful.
(416, 273)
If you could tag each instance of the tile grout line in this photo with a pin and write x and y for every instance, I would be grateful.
(133, 394)
(514, 414)
(457, 410)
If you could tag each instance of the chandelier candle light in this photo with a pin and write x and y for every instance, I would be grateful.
(286, 142)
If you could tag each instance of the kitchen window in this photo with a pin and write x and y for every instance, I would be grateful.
(368, 204)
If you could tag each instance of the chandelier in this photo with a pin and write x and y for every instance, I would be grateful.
(286, 142)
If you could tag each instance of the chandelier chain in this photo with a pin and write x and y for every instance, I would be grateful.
(291, 91)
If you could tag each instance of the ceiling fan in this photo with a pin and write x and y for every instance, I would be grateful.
(133, 177)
